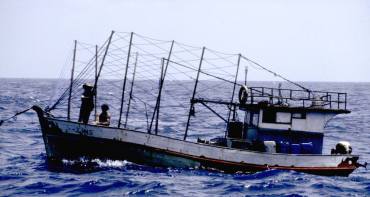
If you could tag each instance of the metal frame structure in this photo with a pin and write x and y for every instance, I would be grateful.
(332, 100)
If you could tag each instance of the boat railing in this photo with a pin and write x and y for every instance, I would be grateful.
(298, 98)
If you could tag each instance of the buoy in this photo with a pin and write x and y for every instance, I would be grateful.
(243, 94)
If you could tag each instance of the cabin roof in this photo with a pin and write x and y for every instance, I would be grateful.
(279, 108)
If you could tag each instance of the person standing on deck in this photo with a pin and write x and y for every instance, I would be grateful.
(104, 117)
(87, 103)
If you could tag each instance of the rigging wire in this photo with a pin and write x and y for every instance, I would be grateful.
(152, 51)
(275, 74)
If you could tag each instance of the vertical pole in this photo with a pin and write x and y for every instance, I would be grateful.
(125, 79)
(132, 88)
(338, 101)
(159, 95)
(71, 84)
(194, 91)
(103, 60)
(235, 81)
(157, 104)
(96, 79)
(97, 73)
(146, 116)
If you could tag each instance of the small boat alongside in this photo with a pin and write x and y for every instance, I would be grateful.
(264, 127)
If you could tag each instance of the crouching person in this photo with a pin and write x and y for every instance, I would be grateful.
(104, 117)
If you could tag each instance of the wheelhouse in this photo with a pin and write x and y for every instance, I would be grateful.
(291, 121)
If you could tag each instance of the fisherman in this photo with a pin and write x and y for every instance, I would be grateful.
(87, 103)
(104, 117)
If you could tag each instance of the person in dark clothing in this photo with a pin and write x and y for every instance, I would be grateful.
(87, 103)
(104, 117)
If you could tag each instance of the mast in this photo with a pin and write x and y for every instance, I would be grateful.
(71, 83)
(161, 81)
(96, 79)
(125, 79)
(132, 87)
(191, 110)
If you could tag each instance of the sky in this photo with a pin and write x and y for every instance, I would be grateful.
(303, 40)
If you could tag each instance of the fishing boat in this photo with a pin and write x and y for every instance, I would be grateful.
(261, 127)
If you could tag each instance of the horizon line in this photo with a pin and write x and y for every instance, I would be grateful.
(42, 78)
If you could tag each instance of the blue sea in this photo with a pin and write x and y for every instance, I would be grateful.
(24, 170)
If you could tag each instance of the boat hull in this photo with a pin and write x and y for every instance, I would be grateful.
(72, 140)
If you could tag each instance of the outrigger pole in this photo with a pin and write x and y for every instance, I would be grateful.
(125, 79)
(191, 110)
(132, 87)
(71, 84)
(161, 81)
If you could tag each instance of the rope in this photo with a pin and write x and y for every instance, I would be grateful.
(15, 115)
(204, 73)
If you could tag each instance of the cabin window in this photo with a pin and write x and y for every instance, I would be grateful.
(269, 116)
(255, 119)
(252, 118)
(299, 115)
(283, 117)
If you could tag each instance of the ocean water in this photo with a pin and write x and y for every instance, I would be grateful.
(24, 170)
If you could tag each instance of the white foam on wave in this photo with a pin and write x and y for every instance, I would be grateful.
(100, 163)
(110, 163)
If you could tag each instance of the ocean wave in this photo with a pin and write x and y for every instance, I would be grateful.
(26, 171)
